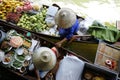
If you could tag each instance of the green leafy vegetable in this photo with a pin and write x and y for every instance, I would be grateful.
(17, 64)
(21, 57)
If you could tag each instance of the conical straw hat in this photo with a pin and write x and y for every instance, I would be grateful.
(65, 18)
(44, 59)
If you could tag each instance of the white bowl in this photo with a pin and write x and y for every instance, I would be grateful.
(7, 59)
(28, 57)
(22, 69)
(26, 63)
(18, 59)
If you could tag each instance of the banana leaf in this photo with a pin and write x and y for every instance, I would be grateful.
(104, 33)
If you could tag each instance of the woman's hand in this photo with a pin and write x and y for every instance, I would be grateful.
(73, 38)
(58, 44)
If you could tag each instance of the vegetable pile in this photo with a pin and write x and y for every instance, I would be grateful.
(34, 22)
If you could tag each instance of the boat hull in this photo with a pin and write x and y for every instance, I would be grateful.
(86, 49)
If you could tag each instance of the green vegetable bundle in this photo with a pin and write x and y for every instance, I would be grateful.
(101, 32)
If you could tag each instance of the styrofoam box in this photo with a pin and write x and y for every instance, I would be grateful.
(97, 70)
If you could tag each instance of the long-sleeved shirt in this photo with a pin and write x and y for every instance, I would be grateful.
(69, 32)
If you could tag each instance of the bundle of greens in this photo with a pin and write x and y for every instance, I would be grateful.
(110, 34)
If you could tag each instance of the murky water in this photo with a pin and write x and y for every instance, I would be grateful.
(102, 10)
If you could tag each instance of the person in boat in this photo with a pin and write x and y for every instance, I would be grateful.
(45, 60)
(68, 25)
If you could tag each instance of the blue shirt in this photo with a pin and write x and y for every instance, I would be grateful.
(69, 32)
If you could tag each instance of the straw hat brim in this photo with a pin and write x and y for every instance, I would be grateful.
(65, 18)
(43, 66)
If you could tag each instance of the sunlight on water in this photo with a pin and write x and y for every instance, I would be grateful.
(102, 10)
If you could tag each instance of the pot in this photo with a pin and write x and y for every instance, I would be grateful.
(22, 69)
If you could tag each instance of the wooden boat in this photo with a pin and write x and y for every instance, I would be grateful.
(84, 48)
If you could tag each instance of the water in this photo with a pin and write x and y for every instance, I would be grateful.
(102, 10)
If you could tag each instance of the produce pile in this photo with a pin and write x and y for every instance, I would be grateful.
(7, 6)
(28, 15)
(88, 75)
(34, 22)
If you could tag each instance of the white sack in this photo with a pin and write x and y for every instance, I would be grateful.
(70, 68)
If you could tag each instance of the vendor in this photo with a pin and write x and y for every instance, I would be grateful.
(68, 25)
(44, 60)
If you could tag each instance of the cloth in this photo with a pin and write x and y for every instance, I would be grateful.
(68, 33)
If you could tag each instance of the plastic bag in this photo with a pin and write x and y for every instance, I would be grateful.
(84, 26)
(70, 68)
